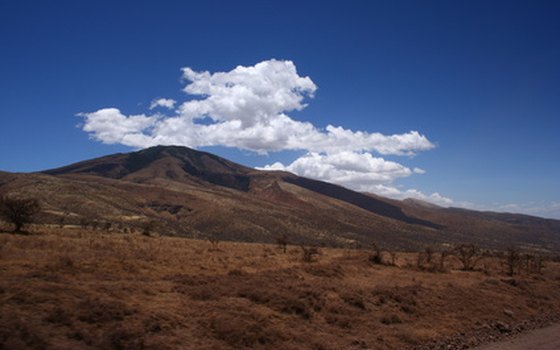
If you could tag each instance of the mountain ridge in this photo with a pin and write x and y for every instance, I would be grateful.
(199, 194)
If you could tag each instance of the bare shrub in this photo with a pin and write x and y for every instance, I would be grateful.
(309, 253)
(59, 316)
(84, 223)
(18, 334)
(63, 262)
(282, 242)
(511, 261)
(426, 261)
(214, 242)
(443, 255)
(18, 210)
(429, 251)
(62, 219)
(393, 255)
(537, 264)
(125, 339)
(149, 227)
(376, 256)
(390, 319)
(468, 255)
(95, 311)
(244, 329)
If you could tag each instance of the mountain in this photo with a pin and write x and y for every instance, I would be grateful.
(198, 194)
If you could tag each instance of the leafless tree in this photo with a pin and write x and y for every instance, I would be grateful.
(214, 242)
(309, 253)
(468, 254)
(282, 242)
(149, 227)
(393, 255)
(376, 255)
(443, 255)
(429, 254)
(18, 210)
(512, 260)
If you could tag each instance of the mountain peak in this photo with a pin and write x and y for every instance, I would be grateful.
(177, 163)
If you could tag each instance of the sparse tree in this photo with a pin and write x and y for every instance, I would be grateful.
(393, 255)
(18, 210)
(512, 260)
(538, 264)
(376, 255)
(468, 254)
(94, 225)
(214, 242)
(309, 253)
(148, 227)
(429, 254)
(62, 219)
(282, 242)
(444, 254)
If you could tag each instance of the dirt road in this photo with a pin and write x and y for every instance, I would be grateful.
(540, 339)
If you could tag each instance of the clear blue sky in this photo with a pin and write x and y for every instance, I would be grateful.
(480, 79)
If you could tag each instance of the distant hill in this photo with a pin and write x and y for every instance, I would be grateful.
(198, 194)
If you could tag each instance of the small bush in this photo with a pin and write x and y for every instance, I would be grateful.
(282, 242)
(96, 311)
(390, 319)
(214, 242)
(125, 339)
(309, 253)
(376, 256)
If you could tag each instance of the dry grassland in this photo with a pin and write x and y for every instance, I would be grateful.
(75, 289)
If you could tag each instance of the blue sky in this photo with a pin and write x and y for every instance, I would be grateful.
(480, 80)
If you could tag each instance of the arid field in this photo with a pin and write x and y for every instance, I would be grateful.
(68, 288)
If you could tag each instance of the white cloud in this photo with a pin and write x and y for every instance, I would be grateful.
(163, 102)
(109, 125)
(544, 209)
(435, 197)
(359, 171)
(395, 193)
(247, 108)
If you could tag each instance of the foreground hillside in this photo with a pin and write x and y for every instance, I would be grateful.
(200, 195)
(74, 289)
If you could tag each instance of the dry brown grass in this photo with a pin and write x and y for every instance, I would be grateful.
(71, 289)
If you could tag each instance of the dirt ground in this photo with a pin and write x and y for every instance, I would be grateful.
(72, 289)
(547, 338)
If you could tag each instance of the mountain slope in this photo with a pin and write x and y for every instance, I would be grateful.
(198, 194)
(184, 165)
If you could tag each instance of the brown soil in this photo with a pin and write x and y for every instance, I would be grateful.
(70, 289)
(547, 338)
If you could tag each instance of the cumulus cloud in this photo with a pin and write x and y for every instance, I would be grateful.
(163, 102)
(360, 171)
(109, 125)
(393, 192)
(248, 108)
